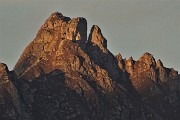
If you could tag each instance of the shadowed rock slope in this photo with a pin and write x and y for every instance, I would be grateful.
(65, 75)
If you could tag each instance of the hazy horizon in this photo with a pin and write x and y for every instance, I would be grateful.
(131, 27)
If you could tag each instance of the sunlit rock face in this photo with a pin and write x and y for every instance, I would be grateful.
(157, 85)
(65, 75)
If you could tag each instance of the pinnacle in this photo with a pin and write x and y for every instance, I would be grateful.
(147, 54)
(95, 27)
(119, 56)
(56, 15)
(3, 67)
(61, 65)
(130, 58)
(3, 70)
(148, 59)
(159, 63)
(97, 38)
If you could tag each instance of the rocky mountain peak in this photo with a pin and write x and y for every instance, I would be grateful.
(147, 58)
(119, 56)
(10, 102)
(159, 63)
(49, 40)
(54, 20)
(59, 27)
(130, 59)
(120, 61)
(3, 71)
(56, 15)
(3, 67)
(97, 38)
(63, 76)
(129, 65)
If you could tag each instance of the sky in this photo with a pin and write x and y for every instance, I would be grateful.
(131, 27)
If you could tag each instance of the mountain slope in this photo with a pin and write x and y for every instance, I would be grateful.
(63, 74)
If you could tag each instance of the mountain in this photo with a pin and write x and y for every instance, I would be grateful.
(65, 75)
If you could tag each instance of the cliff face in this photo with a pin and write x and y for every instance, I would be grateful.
(11, 105)
(63, 74)
(157, 85)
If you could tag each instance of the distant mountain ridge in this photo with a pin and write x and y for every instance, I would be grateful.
(65, 75)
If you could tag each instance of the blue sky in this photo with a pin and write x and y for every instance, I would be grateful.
(132, 27)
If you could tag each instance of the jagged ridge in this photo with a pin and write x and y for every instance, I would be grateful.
(68, 76)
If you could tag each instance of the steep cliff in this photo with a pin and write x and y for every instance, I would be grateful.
(65, 75)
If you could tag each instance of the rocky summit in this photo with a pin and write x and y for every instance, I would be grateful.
(65, 75)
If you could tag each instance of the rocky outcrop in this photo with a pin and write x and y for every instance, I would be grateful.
(47, 42)
(11, 106)
(129, 65)
(96, 38)
(90, 73)
(62, 75)
(155, 84)
(61, 27)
